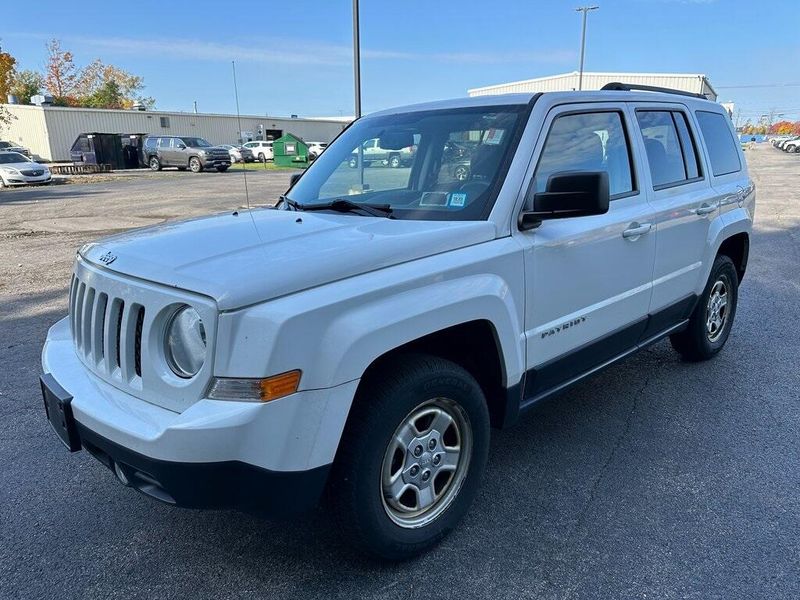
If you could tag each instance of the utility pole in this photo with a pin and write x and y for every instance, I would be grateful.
(357, 58)
(584, 10)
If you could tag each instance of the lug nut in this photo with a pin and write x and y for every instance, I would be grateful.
(414, 470)
(431, 444)
(437, 459)
(426, 475)
(418, 451)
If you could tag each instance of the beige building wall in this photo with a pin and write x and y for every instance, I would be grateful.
(697, 84)
(50, 131)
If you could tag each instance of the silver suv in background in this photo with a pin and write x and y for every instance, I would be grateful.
(186, 152)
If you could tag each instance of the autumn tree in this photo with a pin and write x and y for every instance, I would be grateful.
(27, 83)
(95, 82)
(61, 74)
(7, 70)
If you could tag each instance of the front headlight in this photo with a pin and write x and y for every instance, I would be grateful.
(185, 343)
(11, 170)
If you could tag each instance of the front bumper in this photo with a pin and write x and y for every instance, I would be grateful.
(27, 180)
(214, 453)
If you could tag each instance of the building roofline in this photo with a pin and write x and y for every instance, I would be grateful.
(602, 73)
(166, 113)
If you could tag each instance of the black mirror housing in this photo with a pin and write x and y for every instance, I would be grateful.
(396, 140)
(568, 194)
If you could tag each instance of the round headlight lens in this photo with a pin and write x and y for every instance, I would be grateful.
(186, 342)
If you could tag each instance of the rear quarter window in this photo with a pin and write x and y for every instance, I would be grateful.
(720, 143)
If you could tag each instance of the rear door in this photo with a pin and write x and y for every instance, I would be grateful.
(684, 203)
(164, 151)
(588, 279)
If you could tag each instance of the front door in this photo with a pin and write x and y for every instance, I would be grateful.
(588, 279)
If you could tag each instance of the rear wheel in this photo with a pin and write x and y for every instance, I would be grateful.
(412, 456)
(261, 157)
(712, 319)
(353, 162)
(394, 161)
(194, 165)
(155, 164)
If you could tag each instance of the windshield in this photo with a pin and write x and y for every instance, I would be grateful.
(7, 158)
(433, 165)
(195, 142)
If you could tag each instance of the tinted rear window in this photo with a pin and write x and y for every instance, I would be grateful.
(720, 143)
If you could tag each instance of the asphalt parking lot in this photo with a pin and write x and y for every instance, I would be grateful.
(656, 479)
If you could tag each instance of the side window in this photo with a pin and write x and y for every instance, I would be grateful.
(688, 146)
(163, 143)
(662, 146)
(150, 143)
(593, 141)
(719, 141)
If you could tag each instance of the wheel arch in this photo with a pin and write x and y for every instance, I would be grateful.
(737, 248)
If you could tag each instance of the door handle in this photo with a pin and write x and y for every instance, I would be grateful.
(634, 230)
(705, 209)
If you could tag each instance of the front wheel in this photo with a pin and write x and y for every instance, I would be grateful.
(412, 456)
(712, 319)
(194, 165)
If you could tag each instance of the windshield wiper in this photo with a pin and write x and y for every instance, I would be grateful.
(344, 205)
(289, 202)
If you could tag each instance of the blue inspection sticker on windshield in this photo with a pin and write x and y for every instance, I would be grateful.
(458, 199)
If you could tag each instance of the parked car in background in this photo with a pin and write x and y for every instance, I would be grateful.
(239, 153)
(792, 145)
(316, 148)
(185, 152)
(11, 147)
(261, 150)
(373, 154)
(17, 169)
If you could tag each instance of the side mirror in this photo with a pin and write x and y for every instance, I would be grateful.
(181, 146)
(568, 194)
(293, 179)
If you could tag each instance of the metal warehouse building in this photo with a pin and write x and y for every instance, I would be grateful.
(49, 131)
(697, 84)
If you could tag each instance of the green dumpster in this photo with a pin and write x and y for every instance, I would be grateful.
(290, 151)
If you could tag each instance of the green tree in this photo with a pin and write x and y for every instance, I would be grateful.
(108, 96)
(97, 75)
(27, 83)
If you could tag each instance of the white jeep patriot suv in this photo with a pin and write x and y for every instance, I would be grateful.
(358, 341)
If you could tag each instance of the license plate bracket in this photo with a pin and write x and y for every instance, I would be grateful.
(58, 407)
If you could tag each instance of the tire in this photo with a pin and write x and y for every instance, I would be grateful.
(261, 157)
(394, 161)
(420, 389)
(221, 169)
(353, 162)
(155, 163)
(711, 322)
(195, 166)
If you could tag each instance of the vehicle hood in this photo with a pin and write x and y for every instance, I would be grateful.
(254, 256)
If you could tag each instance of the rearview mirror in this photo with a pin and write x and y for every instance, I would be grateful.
(396, 140)
(568, 194)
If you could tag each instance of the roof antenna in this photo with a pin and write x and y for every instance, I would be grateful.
(239, 121)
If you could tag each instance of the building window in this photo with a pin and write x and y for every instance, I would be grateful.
(164, 122)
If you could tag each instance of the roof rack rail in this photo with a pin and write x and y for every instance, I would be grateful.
(629, 87)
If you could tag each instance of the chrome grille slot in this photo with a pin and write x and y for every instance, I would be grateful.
(79, 315)
(86, 321)
(137, 342)
(118, 334)
(98, 326)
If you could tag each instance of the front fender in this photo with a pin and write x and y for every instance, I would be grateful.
(334, 332)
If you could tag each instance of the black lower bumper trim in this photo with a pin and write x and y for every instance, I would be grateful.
(230, 484)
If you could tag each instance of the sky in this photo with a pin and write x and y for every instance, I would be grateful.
(296, 57)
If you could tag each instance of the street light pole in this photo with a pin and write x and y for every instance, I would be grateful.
(357, 58)
(584, 10)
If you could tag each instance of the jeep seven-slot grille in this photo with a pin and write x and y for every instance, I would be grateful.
(106, 330)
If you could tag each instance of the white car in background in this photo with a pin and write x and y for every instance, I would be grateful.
(238, 153)
(11, 147)
(261, 150)
(316, 148)
(17, 169)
